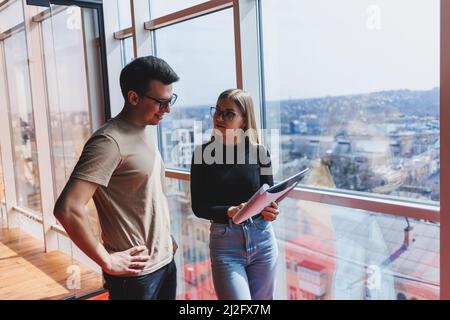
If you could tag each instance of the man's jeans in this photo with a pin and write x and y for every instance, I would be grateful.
(158, 285)
(243, 260)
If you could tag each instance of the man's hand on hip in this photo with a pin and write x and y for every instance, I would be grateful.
(130, 262)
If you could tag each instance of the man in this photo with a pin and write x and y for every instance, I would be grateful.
(121, 168)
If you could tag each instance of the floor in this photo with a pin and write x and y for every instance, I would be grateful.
(27, 272)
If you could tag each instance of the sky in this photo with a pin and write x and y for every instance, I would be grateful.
(328, 47)
(311, 48)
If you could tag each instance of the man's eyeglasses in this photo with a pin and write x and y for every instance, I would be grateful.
(226, 115)
(164, 104)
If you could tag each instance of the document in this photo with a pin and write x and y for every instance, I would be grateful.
(266, 195)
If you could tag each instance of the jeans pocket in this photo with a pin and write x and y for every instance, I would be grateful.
(218, 230)
(261, 224)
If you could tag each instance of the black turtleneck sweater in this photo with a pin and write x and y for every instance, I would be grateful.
(216, 186)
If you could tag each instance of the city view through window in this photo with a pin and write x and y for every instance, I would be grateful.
(354, 94)
(364, 116)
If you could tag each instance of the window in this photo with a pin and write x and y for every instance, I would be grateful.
(127, 50)
(2, 197)
(2, 184)
(201, 51)
(124, 12)
(354, 92)
(69, 103)
(345, 253)
(160, 8)
(11, 15)
(194, 264)
(22, 123)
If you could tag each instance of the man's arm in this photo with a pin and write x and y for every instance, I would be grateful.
(71, 212)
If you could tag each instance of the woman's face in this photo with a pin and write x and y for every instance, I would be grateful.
(228, 116)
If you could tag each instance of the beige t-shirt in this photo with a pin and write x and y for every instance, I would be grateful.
(131, 201)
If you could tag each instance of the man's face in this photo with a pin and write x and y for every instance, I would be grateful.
(147, 105)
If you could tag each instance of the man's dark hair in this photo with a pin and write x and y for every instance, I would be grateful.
(138, 73)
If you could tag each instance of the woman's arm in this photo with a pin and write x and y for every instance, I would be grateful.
(200, 195)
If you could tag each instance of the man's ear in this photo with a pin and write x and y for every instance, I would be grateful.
(133, 98)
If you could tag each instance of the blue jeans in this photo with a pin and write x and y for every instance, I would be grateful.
(243, 260)
(158, 285)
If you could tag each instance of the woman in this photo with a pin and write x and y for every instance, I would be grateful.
(225, 173)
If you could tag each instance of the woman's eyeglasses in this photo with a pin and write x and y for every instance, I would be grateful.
(226, 115)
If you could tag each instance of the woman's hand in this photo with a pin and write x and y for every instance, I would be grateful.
(270, 213)
(233, 210)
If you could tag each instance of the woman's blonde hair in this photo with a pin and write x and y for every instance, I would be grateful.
(245, 102)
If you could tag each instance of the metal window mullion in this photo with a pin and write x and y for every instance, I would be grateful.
(114, 56)
(143, 39)
(445, 152)
(133, 27)
(237, 44)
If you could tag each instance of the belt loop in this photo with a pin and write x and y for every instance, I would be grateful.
(230, 223)
(250, 219)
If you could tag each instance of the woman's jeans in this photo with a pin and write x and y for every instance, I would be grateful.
(158, 285)
(243, 260)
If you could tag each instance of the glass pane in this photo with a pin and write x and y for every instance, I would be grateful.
(160, 8)
(354, 92)
(330, 252)
(192, 235)
(65, 68)
(325, 252)
(2, 196)
(201, 51)
(71, 91)
(124, 12)
(11, 16)
(2, 185)
(127, 51)
(22, 123)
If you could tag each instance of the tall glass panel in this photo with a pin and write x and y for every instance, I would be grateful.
(26, 169)
(124, 12)
(2, 196)
(352, 90)
(192, 234)
(11, 15)
(72, 69)
(331, 252)
(201, 51)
